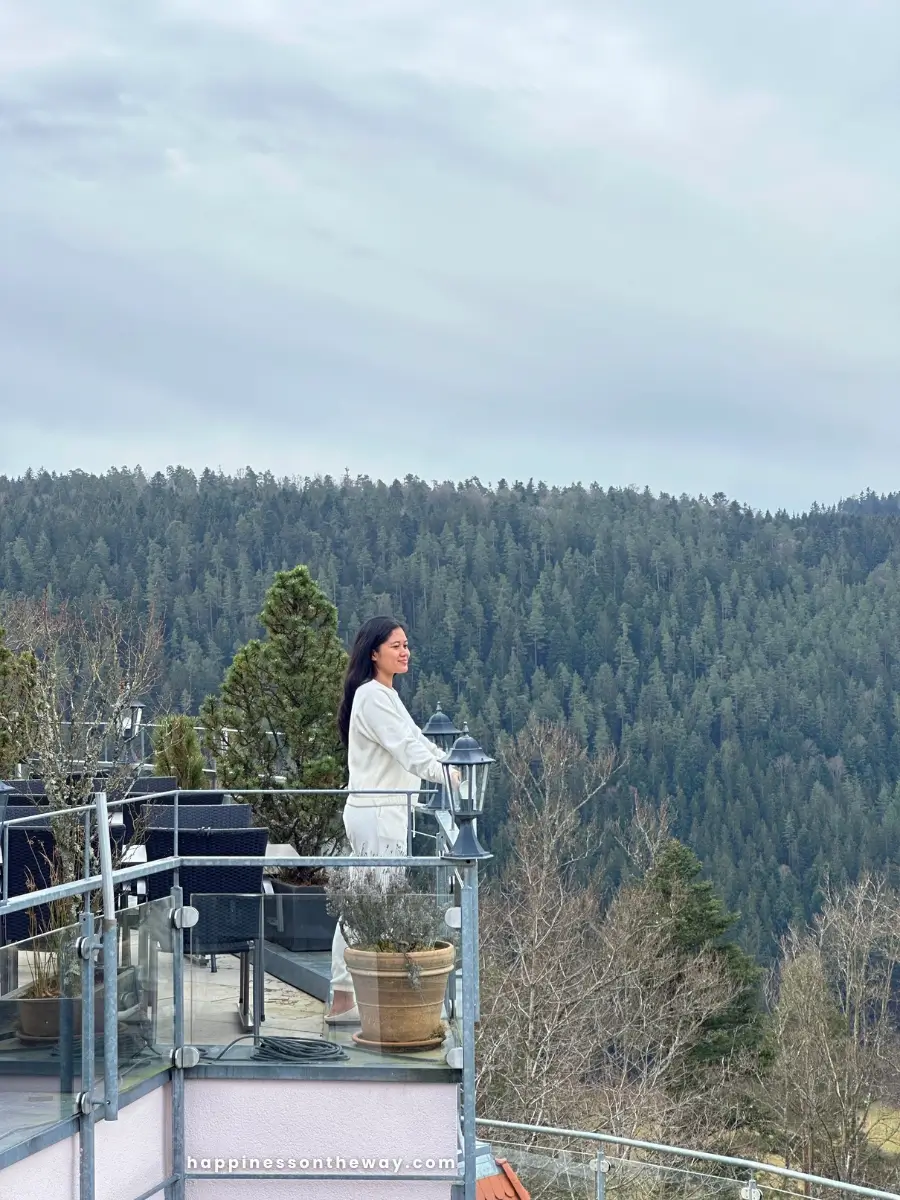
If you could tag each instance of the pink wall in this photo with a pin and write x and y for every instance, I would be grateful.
(131, 1155)
(230, 1119)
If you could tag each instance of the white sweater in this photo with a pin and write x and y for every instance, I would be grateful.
(386, 750)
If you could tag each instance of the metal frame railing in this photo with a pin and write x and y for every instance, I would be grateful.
(749, 1166)
(464, 877)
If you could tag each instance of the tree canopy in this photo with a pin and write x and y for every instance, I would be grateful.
(745, 664)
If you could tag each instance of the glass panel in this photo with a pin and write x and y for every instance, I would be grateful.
(146, 1009)
(408, 1016)
(40, 1034)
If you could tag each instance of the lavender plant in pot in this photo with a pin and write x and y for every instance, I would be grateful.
(398, 954)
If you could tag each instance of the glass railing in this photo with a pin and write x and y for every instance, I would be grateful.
(41, 1066)
(40, 1034)
(146, 994)
(272, 954)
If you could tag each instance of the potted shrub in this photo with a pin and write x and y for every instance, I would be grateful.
(56, 974)
(398, 955)
(56, 981)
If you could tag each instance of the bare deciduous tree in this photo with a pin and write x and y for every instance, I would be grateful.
(588, 1014)
(830, 1095)
(88, 668)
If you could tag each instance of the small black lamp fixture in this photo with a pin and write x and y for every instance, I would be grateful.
(440, 730)
(470, 763)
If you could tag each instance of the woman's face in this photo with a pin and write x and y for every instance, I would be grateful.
(392, 656)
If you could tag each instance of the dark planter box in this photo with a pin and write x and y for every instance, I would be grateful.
(303, 923)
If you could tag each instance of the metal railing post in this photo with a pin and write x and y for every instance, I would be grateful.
(86, 873)
(469, 950)
(476, 953)
(602, 1168)
(178, 1155)
(86, 1098)
(110, 966)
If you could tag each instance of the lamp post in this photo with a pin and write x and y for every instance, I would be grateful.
(466, 768)
(440, 730)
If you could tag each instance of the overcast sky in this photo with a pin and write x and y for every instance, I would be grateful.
(651, 242)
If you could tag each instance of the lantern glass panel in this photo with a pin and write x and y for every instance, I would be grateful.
(473, 787)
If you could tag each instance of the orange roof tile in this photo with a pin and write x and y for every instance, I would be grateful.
(506, 1186)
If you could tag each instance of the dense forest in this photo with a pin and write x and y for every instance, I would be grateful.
(745, 664)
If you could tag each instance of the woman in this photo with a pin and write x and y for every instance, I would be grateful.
(386, 753)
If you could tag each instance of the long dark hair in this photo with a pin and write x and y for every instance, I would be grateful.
(360, 668)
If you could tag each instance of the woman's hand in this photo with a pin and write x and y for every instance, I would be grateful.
(455, 778)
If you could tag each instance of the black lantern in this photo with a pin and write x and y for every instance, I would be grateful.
(440, 730)
(466, 769)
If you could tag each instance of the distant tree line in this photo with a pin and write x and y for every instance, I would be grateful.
(743, 665)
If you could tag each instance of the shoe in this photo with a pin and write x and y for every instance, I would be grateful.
(349, 1017)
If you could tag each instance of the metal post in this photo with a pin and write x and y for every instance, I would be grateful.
(5, 873)
(476, 959)
(602, 1168)
(469, 950)
(178, 1157)
(110, 967)
(409, 825)
(86, 873)
(176, 876)
(259, 975)
(86, 1124)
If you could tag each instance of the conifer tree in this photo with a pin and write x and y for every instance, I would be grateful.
(274, 725)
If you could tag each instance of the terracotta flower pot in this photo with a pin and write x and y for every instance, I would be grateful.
(392, 1010)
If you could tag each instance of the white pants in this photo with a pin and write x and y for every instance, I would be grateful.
(376, 832)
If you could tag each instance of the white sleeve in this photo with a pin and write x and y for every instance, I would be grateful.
(380, 721)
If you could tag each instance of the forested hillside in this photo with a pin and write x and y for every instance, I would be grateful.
(747, 664)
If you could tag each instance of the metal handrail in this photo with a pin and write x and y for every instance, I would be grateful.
(747, 1164)
(71, 810)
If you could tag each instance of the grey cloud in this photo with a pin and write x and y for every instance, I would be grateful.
(581, 307)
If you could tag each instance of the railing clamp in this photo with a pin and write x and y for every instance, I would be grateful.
(185, 917)
(185, 1057)
(84, 1103)
(87, 948)
(453, 918)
